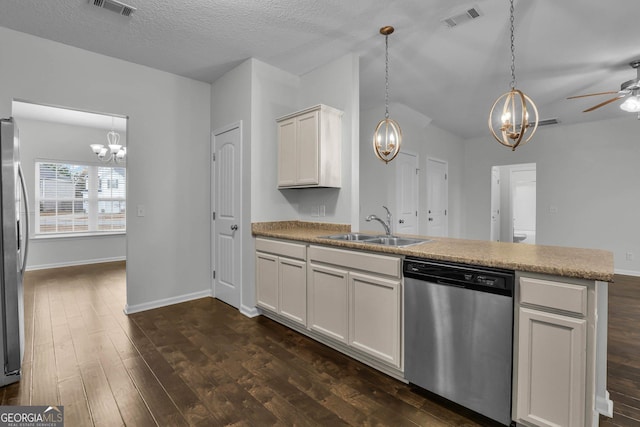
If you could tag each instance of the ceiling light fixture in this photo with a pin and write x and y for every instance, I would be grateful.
(632, 103)
(387, 137)
(510, 114)
(114, 151)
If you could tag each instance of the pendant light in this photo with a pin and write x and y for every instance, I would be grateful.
(114, 151)
(514, 117)
(387, 137)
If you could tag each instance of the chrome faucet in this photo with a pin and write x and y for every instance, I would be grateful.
(386, 225)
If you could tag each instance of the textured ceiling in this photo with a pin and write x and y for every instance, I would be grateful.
(563, 48)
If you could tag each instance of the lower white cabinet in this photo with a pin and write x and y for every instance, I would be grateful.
(328, 301)
(375, 316)
(356, 298)
(551, 354)
(281, 279)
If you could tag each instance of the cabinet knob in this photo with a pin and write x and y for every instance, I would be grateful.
(234, 227)
(401, 221)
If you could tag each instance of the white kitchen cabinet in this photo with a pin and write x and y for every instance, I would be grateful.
(356, 298)
(328, 295)
(374, 316)
(552, 354)
(281, 279)
(309, 148)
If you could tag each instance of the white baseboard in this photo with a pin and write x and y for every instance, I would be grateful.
(136, 308)
(75, 263)
(249, 311)
(627, 272)
(604, 405)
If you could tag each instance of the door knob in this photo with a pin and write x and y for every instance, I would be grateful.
(234, 227)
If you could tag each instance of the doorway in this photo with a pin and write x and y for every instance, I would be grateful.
(437, 197)
(226, 238)
(77, 201)
(513, 203)
(406, 215)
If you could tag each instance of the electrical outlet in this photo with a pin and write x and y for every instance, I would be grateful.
(141, 210)
(553, 209)
(322, 210)
(629, 256)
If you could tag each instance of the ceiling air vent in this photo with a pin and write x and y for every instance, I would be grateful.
(114, 6)
(547, 122)
(461, 18)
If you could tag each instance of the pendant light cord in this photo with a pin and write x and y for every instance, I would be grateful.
(513, 50)
(386, 76)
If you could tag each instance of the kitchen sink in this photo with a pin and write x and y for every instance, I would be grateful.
(377, 239)
(358, 237)
(396, 241)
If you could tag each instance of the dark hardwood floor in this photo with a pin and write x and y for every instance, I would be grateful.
(204, 363)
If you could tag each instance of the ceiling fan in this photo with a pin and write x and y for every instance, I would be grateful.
(631, 87)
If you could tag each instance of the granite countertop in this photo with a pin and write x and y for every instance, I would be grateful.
(591, 264)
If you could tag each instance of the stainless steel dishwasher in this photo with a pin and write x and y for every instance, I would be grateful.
(459, 334)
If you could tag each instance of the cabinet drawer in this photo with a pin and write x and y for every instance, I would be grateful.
(374, 263)
(556, 295)
(291, 250)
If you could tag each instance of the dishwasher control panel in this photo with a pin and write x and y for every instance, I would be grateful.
(462, 275)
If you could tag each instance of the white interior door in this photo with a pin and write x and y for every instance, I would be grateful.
(406, 214)
(226, 240)
(437, 198)
(495, 204)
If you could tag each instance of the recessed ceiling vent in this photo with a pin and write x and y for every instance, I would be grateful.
(547, 122)
(461, 18)
(114, 6)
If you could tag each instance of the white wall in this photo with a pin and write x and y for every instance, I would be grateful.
(257, 94)
(420, 136)
(587, 174)
(40, 140)
(169, 125)
(336, 84)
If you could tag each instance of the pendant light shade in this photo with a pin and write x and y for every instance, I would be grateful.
(514, 117)
(387, 137)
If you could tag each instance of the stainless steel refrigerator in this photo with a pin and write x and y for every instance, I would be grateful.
(14, 241)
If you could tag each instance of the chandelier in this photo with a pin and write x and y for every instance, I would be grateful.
(114, 151)
(514, 117)
(387, 137)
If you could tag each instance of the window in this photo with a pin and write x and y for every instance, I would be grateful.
(74, 198)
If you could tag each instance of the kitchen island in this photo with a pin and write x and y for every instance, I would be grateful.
(350, 296)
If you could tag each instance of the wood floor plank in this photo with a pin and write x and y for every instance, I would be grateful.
(74, 400)
(204, 363)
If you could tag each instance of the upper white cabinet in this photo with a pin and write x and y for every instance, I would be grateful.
(309, 148)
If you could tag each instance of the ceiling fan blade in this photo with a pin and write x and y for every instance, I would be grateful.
(592, 94)
(608, 101)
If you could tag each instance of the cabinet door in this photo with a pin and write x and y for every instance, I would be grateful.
(287, 157)
(293, 289)
(551, 369)
(327, 301)
(267, 281)
(308, 149)
(374, 317)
